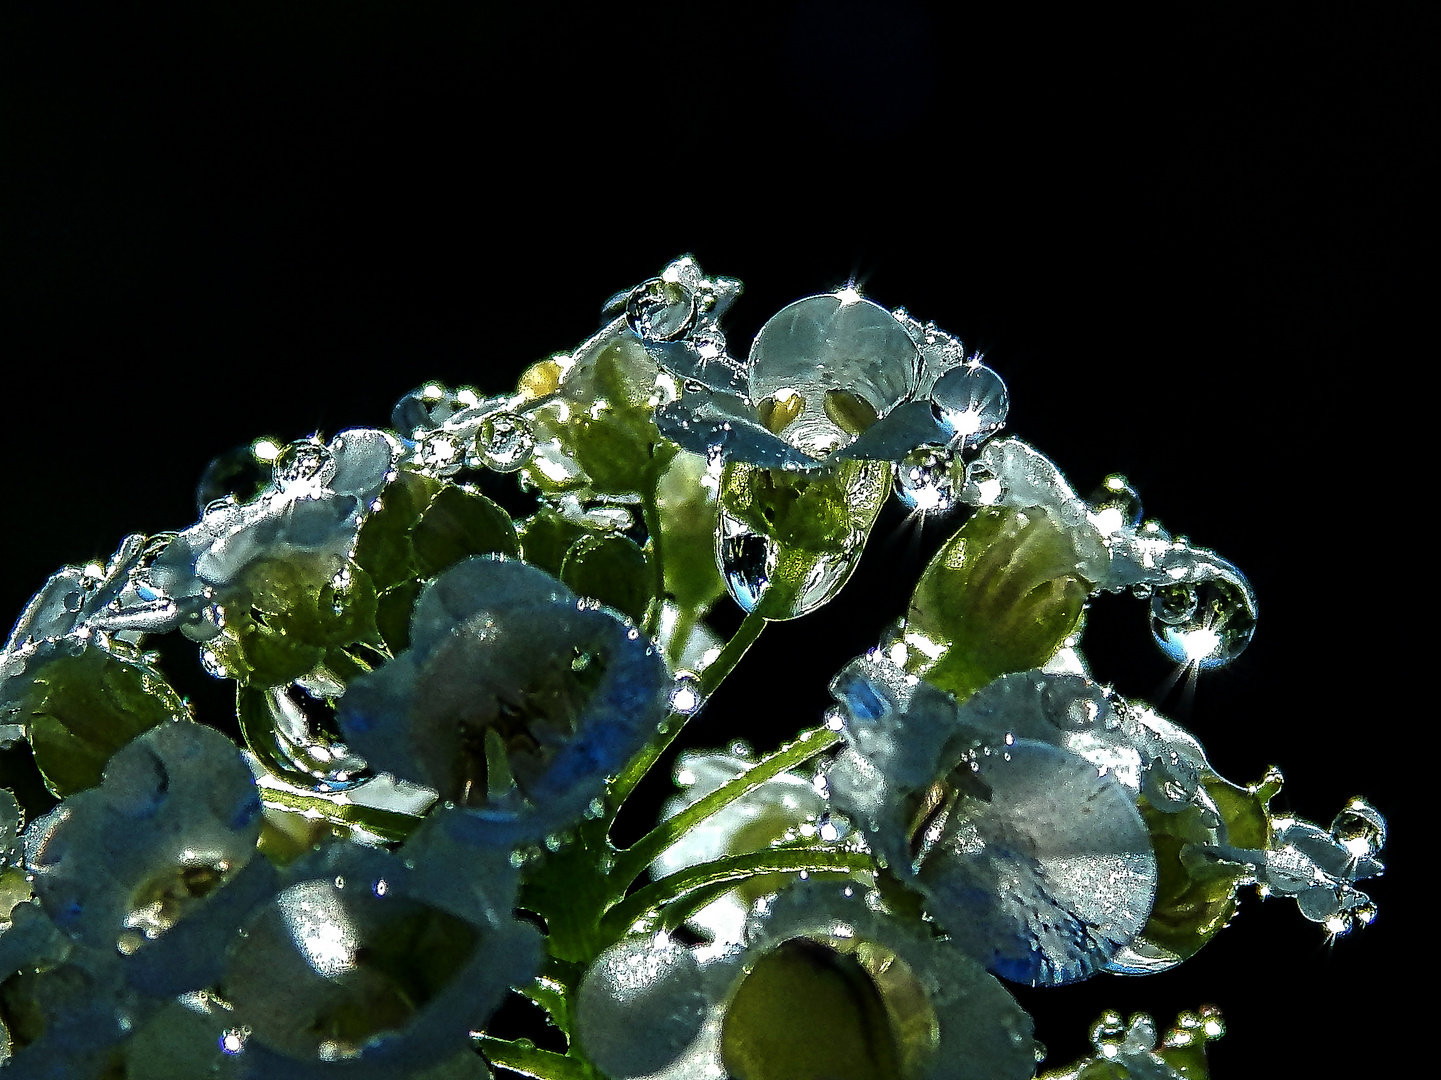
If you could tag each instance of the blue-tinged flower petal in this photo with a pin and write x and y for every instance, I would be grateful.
(707, 422)
(1031, 857)
(911, 1004)
(515, 695)
(117, 866)
(376, 966)
(896, 434)
(318, 495)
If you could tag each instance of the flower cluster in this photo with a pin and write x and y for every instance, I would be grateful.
(442, 708)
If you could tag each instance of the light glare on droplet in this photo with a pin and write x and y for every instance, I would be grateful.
(319, 927)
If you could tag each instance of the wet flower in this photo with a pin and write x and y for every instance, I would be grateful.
(316, 499)
(828, 983)
(1036, 862)
(373, 965)
(120, 865)
(515, 697)
(832, 375)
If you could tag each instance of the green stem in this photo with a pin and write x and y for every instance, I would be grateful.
(389, 825)
(632, 862)
(635, 769)
(729, 869)
(528, 1060)
(650, 514)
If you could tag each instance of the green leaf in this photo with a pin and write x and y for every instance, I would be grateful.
(81, 708)
(687, 507)
(1001, 595)
(392, 615)
(458, 524)
(611, 569)
(383, 547)
(545, 537)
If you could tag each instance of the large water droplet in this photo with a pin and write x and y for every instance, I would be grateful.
(660, 310)
(828, 343)
(1115, 505)
(1360, 829)
(1207, 623)
(747, 560)
(237, 474)
(926, 479)
(505, 441)
(308, 738)
(306, 462)
(752, 564)
(972, 401)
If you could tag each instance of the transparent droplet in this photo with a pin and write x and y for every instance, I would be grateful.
(302, 462)
(660, 310)
(1360, 829)
(505, 441)
(926, 479)
(749, 560)
(1115, 505)
(1210, 632)
(639, 1006)
(833, 342)
(440, 453)
(237, 474)
(685, 696)
(971, 400)
(307, 740)
(1174, 604)
(429, 406)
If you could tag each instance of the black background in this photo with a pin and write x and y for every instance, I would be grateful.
(1185, 241)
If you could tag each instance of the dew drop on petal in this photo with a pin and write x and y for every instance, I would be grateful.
(972, 401)
(926, 480)
(505, 441)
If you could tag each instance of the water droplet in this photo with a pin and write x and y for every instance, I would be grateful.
(306, 741)
(1360, 829)
(439, 453)
(660, 310)
(823, 344)
(1209, 631)
(232, 1041)
(238, 474)
(505, 441)
(685, 696)
(1115, 505)
(971, 400)
(749, 560)
(302, 463)
(428, 407)
(926, 479)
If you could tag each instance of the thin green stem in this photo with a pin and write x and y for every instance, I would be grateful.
(528, 1060)
(729, 869)
(632, 862)
(387, 824)
(635, 769)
